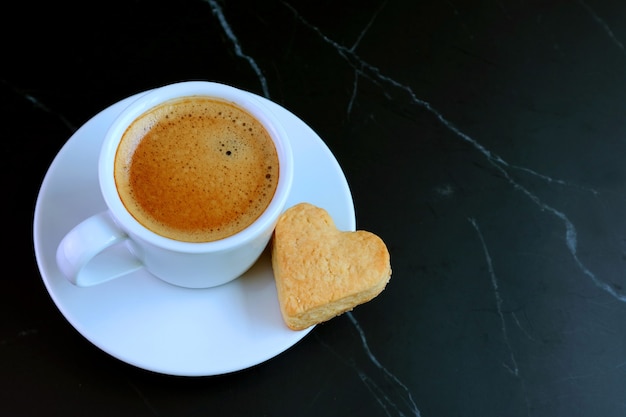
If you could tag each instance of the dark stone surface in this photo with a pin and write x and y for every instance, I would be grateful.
(483, 141)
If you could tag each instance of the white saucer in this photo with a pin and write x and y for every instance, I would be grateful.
(156, 326)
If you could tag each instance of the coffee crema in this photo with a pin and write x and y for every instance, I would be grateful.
(196, 169)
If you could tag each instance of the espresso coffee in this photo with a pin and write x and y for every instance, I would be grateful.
(196, 169)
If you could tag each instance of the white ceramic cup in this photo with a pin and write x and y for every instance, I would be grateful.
(112, 244)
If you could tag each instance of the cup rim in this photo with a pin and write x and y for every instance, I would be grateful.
(146, 101)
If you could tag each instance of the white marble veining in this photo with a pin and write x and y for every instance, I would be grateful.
(41, 106)
(524, 345)
(508, 171)
(374, 74)
(389, 392)
(603, 25)
(390, 406)
(512, 366)
(362, 68)
(384, 399)
(219, 14)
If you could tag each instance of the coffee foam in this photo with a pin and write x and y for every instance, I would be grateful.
(196, 169)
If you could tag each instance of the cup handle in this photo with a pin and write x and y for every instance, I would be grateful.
(93, 252)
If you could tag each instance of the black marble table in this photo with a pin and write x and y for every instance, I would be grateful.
(485, 142)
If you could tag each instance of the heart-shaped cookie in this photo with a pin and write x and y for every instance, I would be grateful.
(322, 272)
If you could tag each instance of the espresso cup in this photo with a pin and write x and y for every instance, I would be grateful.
(194, 176)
